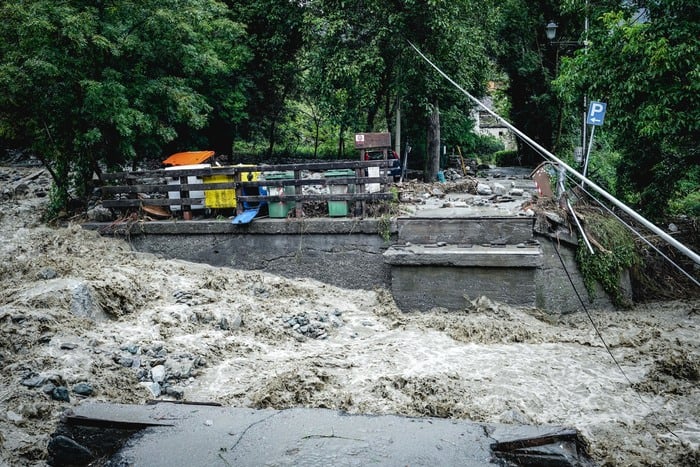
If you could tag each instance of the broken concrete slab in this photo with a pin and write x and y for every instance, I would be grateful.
(167, 434)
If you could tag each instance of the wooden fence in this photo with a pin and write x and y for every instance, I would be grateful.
(173, 188)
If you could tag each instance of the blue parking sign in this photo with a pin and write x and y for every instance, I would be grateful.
(596, 113)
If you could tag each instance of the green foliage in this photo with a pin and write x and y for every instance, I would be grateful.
(688, 205)
(604, 161)
(606, 267)
(531, 63)
(459, 131)
(648, 73)
(384, 227)
(58, 200)
(275, 40)
(486, 147)
(358, 62)
(390, 210)
(88, 84)
(686, 200)
(506, 158)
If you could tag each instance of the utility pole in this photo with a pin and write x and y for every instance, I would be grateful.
(584, 112)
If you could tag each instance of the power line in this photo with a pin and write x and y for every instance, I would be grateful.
(642, 237)
(607, 347)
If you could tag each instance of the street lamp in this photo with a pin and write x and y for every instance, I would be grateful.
(551, 32)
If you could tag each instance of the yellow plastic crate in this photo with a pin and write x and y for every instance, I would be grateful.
(219, 199)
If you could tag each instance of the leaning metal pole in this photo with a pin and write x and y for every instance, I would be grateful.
(672, 241)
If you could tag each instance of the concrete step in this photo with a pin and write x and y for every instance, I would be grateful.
(527, 255)
(465, 230)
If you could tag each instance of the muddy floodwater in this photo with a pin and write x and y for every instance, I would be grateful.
(89, 315)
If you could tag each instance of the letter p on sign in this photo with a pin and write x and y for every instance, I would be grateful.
(596, 113)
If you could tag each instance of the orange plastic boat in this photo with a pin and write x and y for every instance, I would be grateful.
(188, 158)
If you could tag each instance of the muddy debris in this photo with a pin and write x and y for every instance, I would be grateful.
(85, 318)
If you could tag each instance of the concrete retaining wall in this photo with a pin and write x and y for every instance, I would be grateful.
(555, 292)
(341, 252)
(349, 253)
(425, 287)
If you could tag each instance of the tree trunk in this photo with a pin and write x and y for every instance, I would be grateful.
(271, 137)
(341, 141)
(433, 162)
(317, 129)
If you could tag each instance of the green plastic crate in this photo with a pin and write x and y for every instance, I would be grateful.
(280, 209)
(339, 208)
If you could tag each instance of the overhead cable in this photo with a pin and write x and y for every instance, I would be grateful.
(642, 237)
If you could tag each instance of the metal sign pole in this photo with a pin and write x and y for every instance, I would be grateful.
(588, 155)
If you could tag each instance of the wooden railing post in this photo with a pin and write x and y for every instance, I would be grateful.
(186, 208)
(360, 187)
(239, 191)
(298, 190)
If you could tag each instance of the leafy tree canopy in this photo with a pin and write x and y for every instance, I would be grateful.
(89, 82)
(648, 71)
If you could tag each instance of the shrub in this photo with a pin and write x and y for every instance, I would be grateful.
(506, 158)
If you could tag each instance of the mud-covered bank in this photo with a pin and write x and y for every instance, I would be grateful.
(77, 308)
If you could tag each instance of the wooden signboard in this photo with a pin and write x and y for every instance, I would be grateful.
(372, 140)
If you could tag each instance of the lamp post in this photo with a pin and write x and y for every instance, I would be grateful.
(551, 32)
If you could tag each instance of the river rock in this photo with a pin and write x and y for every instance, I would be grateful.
(483, 189)
(13, 417)
(60, 393)
(499, 189)
(65, 451)
(47, 273)
(179, 369)
(83, 389)
(153, 388)
(236, 322)
(158, 374)
(83, 303)
(33, 381)
(175, 392)
(100, 214)
(125, 361)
